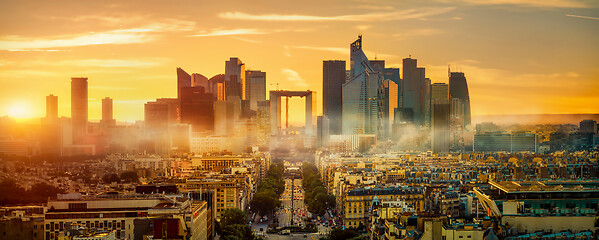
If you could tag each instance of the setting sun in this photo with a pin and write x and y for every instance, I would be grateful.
(19, 110)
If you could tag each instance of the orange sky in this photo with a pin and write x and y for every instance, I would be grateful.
(520, 57)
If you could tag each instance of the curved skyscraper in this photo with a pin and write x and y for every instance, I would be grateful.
(361, 106)
(458, 88)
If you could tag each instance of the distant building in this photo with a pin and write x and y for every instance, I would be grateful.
(588, 126)
(107, 116)
(235, 84)
(440, 126)
(414, 91)
(333, 78)
(503, 142)
(361, 106)
(255, 88)
(458, 88)
(183, 80)
(323, 131)
(196, 108)
(51, 108)
(79, 115)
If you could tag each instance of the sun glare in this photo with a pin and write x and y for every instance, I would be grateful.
(18, 110)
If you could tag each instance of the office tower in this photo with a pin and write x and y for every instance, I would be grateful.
(198, 80)
(458, 88)
(51, 108)
(225, 115)
(183, 80)
(414, 91)
(588, 126)
(439, 91)
(323, 131)
(79, 109)
(393, 75)
(217, 84)
(361, 95)
(440, 126)
(107, 119)
(197, 109)
(426, 96)
(503, 142)
(255, 87)
(333, 78)
(235, 78)
(51, 135)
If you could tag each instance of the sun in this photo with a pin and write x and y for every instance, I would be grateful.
(18, 110)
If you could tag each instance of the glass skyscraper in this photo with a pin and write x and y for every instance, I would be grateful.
(361, 93)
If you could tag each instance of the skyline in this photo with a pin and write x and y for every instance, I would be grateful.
(529, 42)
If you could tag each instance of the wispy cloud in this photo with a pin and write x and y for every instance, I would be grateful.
(363, 27)
(578, 16)
(135, 63)
(139, 34)
(294, 77)
(367, 17)
(247, 40)
(111, 88)
(531, 3)
(228, 32)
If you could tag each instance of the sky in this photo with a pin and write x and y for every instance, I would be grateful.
(519, 56)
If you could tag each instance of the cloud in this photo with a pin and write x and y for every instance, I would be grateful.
(139, 34)
(135, 63)
(531, 3)
(294, 77)
(247, 40)
(367, 17)
(228, 32)
(111, 88)
(578, 16)
(417, 33)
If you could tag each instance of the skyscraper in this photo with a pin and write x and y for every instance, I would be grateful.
(198, 80)
(414, 91)
(255, 87)
(322, 130)
(333, 78)
(458, 88)
(440, 126)
(79, 109)
(235, 78)
(51, 108)
(439, 91)
(197, 109)
(107, 119)
(183, 80)
(361, 94)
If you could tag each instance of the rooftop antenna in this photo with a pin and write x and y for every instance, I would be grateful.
(449, 70)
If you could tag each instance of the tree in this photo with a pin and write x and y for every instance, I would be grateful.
(232, 216)
(265, 201)
(110, 178)
(340, 234)
(129, 177)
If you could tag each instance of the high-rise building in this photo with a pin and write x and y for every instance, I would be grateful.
(255, 87)
(439, 91)
(322, 130)
(333, 78)
(389, 104)
(107, 116)
(440, 126)
(79, 108)
(51, 108)
(217, 84)
(197, 109)
(458, 88)
(235, 78)
(198, 80)
(414, 90)
(361, 94)
(588, 126)
(183, 80)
